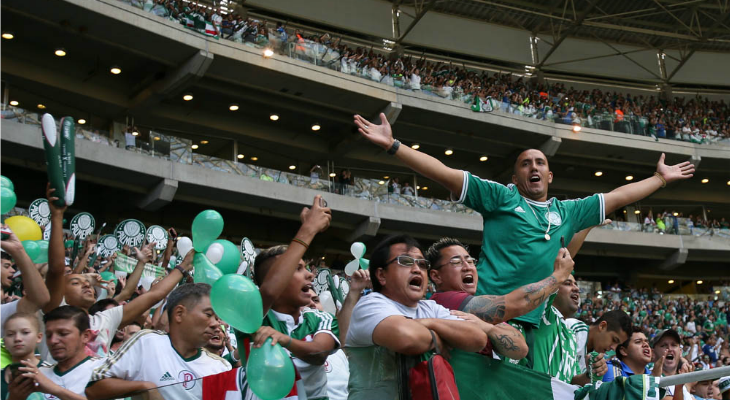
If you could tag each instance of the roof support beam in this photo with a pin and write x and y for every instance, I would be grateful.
(687, 56)
(419, 15)
(571, 30)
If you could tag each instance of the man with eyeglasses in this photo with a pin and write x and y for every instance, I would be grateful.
(522, 226)
(453, 272)
(393, 323)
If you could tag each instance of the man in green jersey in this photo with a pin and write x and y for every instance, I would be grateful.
(522, 227)
(285, 282)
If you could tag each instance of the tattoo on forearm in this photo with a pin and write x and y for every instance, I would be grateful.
(488, 308)
(536, 293)
(503, 343)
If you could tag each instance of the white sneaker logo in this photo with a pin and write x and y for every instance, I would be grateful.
(519, 209)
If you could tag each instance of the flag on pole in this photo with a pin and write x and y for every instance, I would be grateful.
(480, 105)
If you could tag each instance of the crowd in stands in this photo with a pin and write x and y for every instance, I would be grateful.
(669, 222)
(696, 120)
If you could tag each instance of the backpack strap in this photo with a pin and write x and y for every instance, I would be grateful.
(435, 343)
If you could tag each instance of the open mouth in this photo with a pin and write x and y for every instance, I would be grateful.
(575, 297)
(468, 280)
(669, 356)
(534, 178)
(416, 282)
(647, 352)
(215, 337)
(307, 287)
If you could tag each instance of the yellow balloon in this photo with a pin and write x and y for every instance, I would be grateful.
(24, 228)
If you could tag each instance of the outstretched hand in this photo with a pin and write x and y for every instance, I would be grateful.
(380, 135)
(684, 170)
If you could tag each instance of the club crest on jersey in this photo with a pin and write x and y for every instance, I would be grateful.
(554, 218)
(187, 378)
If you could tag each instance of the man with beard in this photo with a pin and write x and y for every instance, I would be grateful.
(666, 344)
(521, 224)
(633, 357)
(219, 342)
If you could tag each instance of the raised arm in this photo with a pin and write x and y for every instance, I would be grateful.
(171, 240)
(495, 309)
(36, 293)
(143, 257)
(382, 136)
(634, 192)
(314, 220)
(142, 303)
(360, 280)
(55, 277)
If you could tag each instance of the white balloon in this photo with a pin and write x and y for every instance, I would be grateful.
(215, 253)
(242, 268)
(146, 282)
(328, 304)
(357, 249)
(184, 245)
(351, 267)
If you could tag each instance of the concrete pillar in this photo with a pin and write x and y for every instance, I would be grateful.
(159, 196)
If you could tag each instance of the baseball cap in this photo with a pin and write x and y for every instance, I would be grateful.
(724, 384)
(671, 332)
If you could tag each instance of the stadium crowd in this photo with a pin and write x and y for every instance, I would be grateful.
(697, 120)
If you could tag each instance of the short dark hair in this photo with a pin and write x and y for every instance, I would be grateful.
(381, 255)
(186, 295)
(616, 321)
(433, 254)
(514, 166)
(5, 256)
(101, 305)
(79, 316)
(262, 265)
(634, 329)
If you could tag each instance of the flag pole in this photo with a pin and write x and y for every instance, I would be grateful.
(705, 375)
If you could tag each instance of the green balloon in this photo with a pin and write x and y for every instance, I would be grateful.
(364, 264)
(270, 371)
(32, 249)
(207, 226)
(231, 258)
(7, 199)
(237, 301)
(43, 255)
(6, 182)
(205, 271)
(109, 276)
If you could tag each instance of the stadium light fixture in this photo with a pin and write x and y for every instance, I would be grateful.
(671, 281)
(268, 53)
(449, 152)
(637, 212)
(415, 146)
(233, 107)
(8, 35)
(381, 182)
(676, 214)
(576, 128)
(717, 292)
(254, 158)
(274, 117)
(41, 106)
(598, 173)
(316, 127)
(292, 167)
(240, 156)
(61, 52)
(204, 142)
(332, 174)
(483, 158)
(386, 177)
(194, 147)
(81, 121)
(188, 96)
(15, 103)
(418, 187)
(700, 282)
(424, 188)
(115, 70)
(157, 138)
(629, 177)
(705, 180)
(728, 182)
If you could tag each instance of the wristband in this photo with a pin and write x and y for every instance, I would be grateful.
(394, 148)
(300, 241)
(661, 178)
(288, 343)
(184, 273)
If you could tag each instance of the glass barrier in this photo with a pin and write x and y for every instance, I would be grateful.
(178, 149)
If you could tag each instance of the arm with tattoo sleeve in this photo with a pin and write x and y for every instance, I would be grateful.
(496, 309)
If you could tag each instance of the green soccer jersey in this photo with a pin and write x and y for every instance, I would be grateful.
(521, 237)
(555, 348)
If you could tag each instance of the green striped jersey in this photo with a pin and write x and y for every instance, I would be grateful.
(580, 329)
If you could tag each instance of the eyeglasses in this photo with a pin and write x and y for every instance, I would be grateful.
(407, 261)
(458, 261)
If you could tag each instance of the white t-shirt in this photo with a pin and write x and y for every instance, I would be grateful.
(580, 329)
(149, 356)
(6, 310)
(75, 379)
(373, 369)
(687, 394)
(129, 139)
(691, 327)
(338, 374)
(103, 324)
